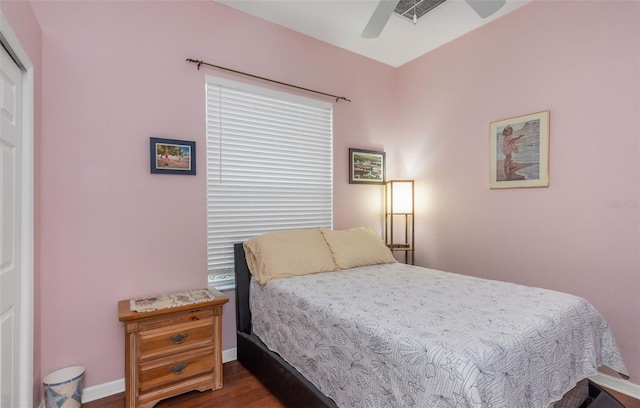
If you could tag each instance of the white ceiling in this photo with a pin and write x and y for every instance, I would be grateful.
(340, 22)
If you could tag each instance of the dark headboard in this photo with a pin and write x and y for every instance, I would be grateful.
(243, 277)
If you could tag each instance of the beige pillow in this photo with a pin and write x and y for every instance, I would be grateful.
(357, 247)
(287, 253)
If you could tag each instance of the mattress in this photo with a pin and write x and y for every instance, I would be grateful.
(404, 336)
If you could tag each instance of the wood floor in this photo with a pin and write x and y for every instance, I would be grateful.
(243, 390)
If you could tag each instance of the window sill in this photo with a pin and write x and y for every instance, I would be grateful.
(223, 287)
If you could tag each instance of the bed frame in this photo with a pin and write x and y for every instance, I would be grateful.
(285, 382)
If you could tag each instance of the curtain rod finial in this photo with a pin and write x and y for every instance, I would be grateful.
(194, 61)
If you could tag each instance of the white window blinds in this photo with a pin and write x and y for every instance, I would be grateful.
(269, 167)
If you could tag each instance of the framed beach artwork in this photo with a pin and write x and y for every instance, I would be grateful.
(519, 151)
(366, 166)
(170, 156)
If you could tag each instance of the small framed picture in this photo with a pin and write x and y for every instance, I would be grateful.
(519, 151)
(366, 167)
(170, 156)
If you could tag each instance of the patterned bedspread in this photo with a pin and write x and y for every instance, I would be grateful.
(397, 335)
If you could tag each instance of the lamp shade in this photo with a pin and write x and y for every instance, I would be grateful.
(399, 195)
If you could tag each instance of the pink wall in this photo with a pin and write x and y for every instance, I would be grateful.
(115, 75)
(581, 61)
(24, 24)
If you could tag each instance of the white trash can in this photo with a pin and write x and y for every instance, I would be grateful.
(63, 388)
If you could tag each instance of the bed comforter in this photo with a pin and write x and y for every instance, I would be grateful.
(397, 335)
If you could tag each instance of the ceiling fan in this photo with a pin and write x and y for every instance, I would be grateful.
(382, 13)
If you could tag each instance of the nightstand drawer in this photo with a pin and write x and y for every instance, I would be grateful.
(175, 318)
(175, 369)
(176, 338)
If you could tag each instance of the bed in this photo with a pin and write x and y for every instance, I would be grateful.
(336, 334)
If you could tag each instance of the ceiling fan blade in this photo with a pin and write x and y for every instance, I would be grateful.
(485, 8)
(379, 18)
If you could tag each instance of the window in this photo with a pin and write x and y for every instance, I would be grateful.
(269, 167)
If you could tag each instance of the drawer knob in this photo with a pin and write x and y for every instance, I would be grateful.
(178, 338)
(178, 369)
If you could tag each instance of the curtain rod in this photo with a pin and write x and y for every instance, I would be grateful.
(199, 62)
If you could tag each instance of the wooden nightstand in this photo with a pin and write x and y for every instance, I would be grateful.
(171, 351)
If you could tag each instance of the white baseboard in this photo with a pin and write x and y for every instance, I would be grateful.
(617, 384)
(229, 355)
(102, 390)
(114, 387)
